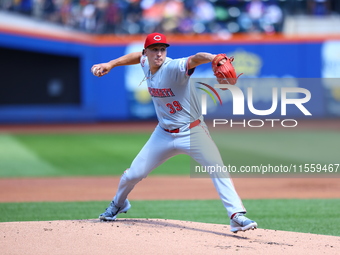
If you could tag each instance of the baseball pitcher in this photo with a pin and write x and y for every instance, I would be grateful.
(181, 128)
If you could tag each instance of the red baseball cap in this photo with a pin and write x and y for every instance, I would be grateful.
(155, 38)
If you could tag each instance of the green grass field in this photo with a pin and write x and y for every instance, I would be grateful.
(75, 155)
(318, 216)
(110, 154)
(284, 147)
(41, 155)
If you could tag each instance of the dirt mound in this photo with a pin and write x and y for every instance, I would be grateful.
(154, 236)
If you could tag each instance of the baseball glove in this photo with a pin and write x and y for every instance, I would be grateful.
(225, 73)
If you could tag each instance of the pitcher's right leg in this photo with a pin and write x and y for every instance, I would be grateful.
(157, 150)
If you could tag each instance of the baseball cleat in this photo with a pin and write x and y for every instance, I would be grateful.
(241, 223)
(112, 211)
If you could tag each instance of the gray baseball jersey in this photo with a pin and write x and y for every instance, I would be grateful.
(175, 99)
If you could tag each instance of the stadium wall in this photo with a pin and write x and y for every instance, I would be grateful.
(47, 78)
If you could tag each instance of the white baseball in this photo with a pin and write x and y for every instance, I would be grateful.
(95, 70)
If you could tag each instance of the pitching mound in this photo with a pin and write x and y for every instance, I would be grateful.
(154, 236)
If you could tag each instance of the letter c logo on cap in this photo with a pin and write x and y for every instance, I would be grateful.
(157, 38)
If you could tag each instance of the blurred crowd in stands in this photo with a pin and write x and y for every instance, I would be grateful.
(170, 16)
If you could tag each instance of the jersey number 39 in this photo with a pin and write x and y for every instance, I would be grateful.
(174, 107)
